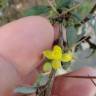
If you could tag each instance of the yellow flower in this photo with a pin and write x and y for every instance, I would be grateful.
(57, 53)
(48, 54)
(67, 57)
(56, 64)
(57, 56)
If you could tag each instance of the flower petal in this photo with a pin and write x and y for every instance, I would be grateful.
(48, 54)
(57, 48)
(57, 53)
(67, 57)
(56, 64)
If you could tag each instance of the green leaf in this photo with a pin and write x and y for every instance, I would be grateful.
(37, 10)
(94, 26)
(42, 80)
(77, 16)
(63, 3)
(83, 31)
(47, 67)
(92, 53)
(26, 90)
(91, 17)
(71, 36)
(3, 3)
(85, 8)
(92, 22)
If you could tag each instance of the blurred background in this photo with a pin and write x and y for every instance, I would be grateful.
(13, 9)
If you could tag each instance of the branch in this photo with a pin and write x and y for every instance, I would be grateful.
(86, 19)
(46, 90)
(63, 15)
(80, 77)
(93, 81)
(69, 10)
(93, 9)
(50, 83)
(52, 6)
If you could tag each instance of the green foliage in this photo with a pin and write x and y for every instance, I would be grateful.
(94, 26)
(26, 90)
(63, 3)
(71, 36)
(85, 8)
(83, 31)
(3, 3)
(37, 10)
(77, 17)
(92, 23)
(42, 80)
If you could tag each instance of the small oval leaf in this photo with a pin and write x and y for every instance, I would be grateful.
(25, 90)
(71, 36)
(63, 3)
(37, 10)
(47, 67)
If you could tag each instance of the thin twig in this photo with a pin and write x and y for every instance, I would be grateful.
(74, 7)
(46, 90)
(92, 81)
(50, 83)
(80, 77)
(42, 91)
(52, 6)
(65, 12)
(93, 9)
(61, 39)
(80, 41)
(86, 19)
